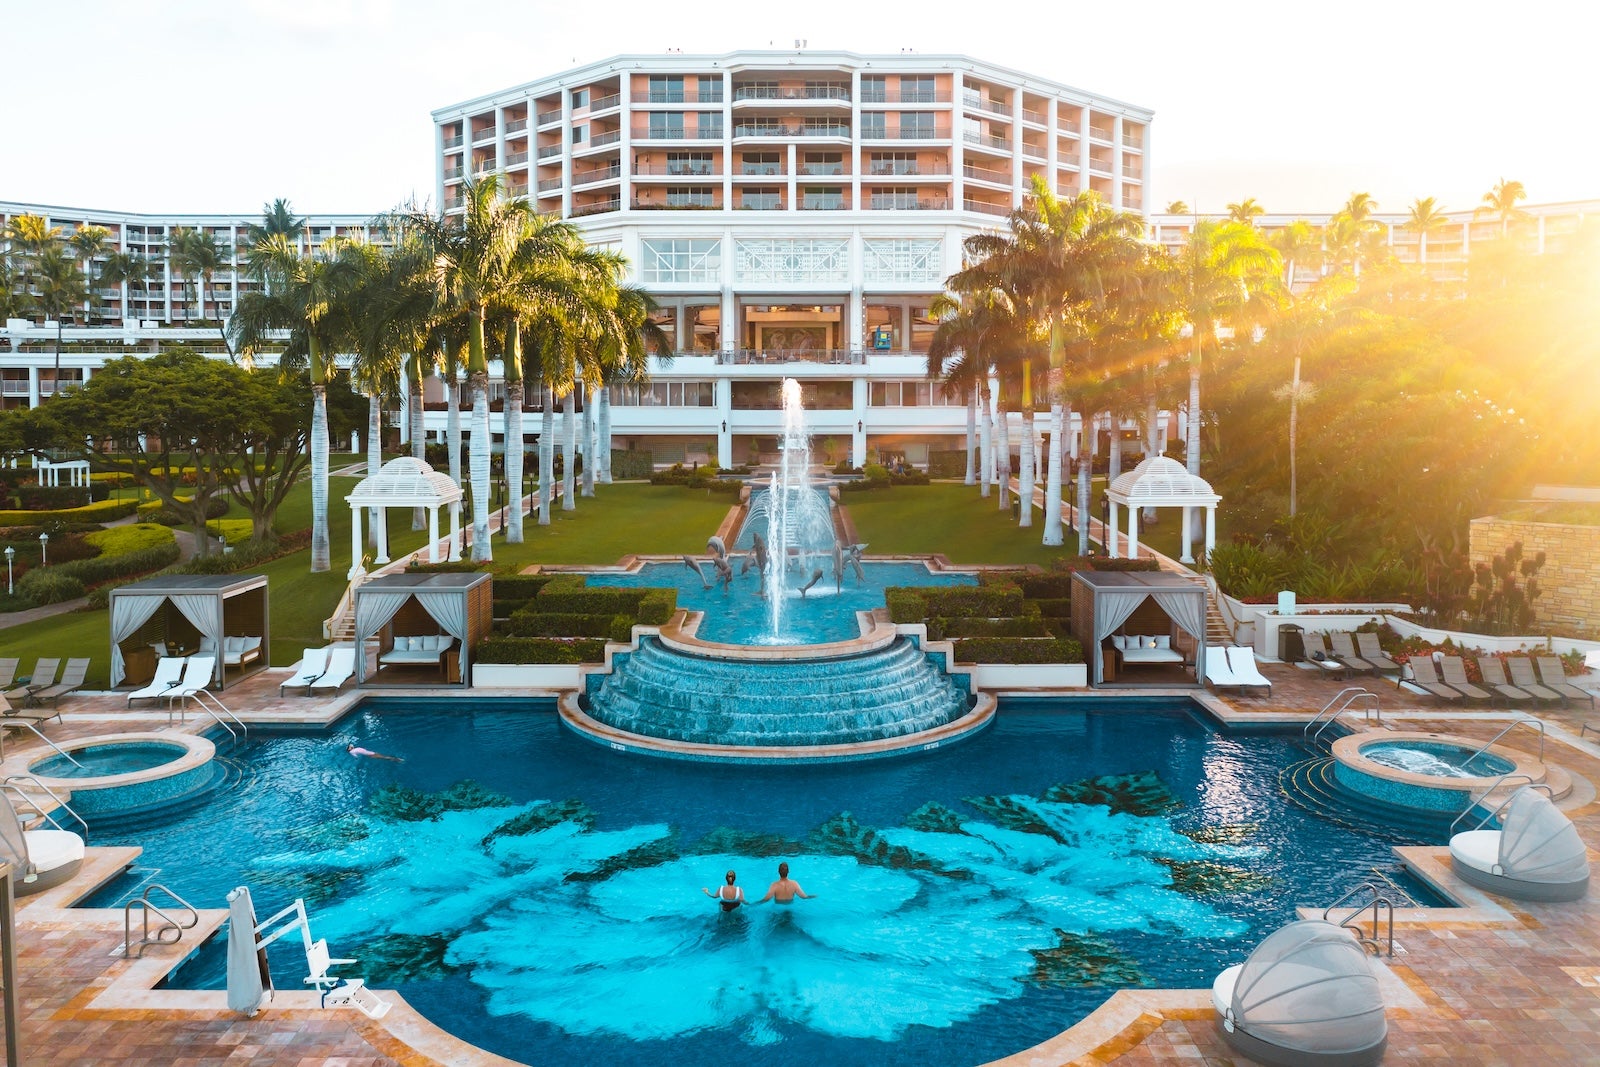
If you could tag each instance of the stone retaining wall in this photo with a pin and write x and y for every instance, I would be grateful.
(1570, 578)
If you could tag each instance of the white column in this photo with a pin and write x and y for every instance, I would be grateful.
(1112, 543)
(1185, 545)
(1084, 116)
(380, 530)
(858, 411)
(33, 387)
(355, 544)
(1116, 163)
(455, 531)
(1133, 532)
(1211, 529)
(433, 534)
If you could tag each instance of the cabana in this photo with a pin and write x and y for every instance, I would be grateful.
(1160, 482)
(423, 620)
(1154, 605)
(404, 483)
(181, 614)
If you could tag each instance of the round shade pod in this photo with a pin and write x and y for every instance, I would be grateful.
(1538, 843)
(1308, 990)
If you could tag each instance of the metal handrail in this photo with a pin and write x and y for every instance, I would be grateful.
(1498, 808)
(170, 925)
(201, 704)
(12, 785)
(1379, 900)
(1337, 706)
(23, 723)
(1513, 725)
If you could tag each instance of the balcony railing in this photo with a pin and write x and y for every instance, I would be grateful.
(516, 125)
(905, 203)
(822, 170)
(605, 103)
(516, 159)
(1029, 115)
(546, 117)
(977, 102)
(549, 150)
(517, 190)
(453, 202)
(452, 142)
(599, 140)
(676, 133)
(840, 93)
(1131, 171)
(913, 132)
(761, 203)
(1100, 133)
(1099, 166)
(485, 134)
(747, 169)
(597, 208)
(1069, 125)
(711, 204)
(1034, 151)
(791, 355)
(898, 96)
(987, 140)
(598, 174)
(985, 208)
(897, 169)
(778, 129)
(825, 203)
(1133, 140)
(547, 184)
(453, 173)
(679, 96)
(685, 169)
(983, 175)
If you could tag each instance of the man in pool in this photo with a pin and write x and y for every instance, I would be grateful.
(785, 889)
(366, 753)
(730, 896)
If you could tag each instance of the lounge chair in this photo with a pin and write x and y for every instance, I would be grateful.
(8, 672)
(40, 858)
(1522, 676)
(1344, 649)
(1218, 671)
(1371, 651)
(336, 991)
(169, 672)
(313, 664)
(197, 672)
(71, 681)
(1242, 658)
(1453, 669)
(1317, 652)
(1423, 676)
(1554, 676)
(1494, 676)
(43, 677)
(341, 665)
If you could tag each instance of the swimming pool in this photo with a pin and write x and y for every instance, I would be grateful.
(970, 902)
(737, 615)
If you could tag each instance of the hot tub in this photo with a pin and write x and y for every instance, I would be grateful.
(125, 773)
(1431, 772)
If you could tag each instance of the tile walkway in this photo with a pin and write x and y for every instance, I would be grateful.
(1512, 985)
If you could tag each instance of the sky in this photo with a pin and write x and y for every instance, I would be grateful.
(181, 106)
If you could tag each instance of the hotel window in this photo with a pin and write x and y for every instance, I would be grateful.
(823, 163)
(902, 199)
(759, 91)
(580, 133)
(710, 125)
(872, 125)
(920, 394)
(823, 198)
(710, 89)
(761, 198)
(761, 163)
(666, 124)
(665, 394)
(916, 124)
(691, 196)
(873, 89)
(917, 90)
(681, 260)
(893, 163)
(705, 325)
(665, 89)
(690, 163)
(580, 99)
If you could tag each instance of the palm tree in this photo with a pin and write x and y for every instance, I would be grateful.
(1359, 207)
(60, 287)
(1501, 201)
(1351, 231)
(197, 254)
(277, 219)
(1246, 211)
(1295, 243)
(639, 335)
(125, 269)
(1178, 207)
(89, 242)
(303, 296)
(1425, 217)
(958, 355)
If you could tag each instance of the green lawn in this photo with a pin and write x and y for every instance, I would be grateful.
(619, 519)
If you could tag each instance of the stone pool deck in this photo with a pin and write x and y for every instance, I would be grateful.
(1491, 983)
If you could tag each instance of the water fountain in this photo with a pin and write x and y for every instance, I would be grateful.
(775, 699)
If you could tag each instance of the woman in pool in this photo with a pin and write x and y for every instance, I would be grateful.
(730, 896)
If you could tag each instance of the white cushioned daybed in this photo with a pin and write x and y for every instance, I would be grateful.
(236, 651)
(426, 650)
(1134, 649)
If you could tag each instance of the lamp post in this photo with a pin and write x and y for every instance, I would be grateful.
(44, 550)
(11, 554)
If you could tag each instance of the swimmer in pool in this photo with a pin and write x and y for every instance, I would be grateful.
(728, 895)
(785, 889)
(366, 753)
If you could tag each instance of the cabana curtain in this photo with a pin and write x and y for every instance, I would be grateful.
(1185, 609)
(127, 615)
(448, 610)
(1113, 610)
(374, 609)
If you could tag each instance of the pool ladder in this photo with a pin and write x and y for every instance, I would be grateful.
(1350, 698)
(171, 928)
(18, 786)
(211, 706)
(1379, 904)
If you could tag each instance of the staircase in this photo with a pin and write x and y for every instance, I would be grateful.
(1311, 785)
(1218, 633)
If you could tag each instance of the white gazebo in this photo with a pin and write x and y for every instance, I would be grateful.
(405, 483)
(1160, 482)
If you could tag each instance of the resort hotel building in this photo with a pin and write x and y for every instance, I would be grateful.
(794, 213)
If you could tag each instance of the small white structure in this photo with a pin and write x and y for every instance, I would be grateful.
(1536, 855)
(405, 483)
(49, 472)
(1160, 482)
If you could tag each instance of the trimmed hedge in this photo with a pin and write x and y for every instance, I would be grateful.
(100, 511)
(1018, 650)
(906, 605)
(631, 464)
(49, 585)
(1015, 626)
(947, 463)
(541, 650)
(656, 607)
(59, 497)
(568, 593)
(1103, 563)
(562, 624)
(983, 601)
(120, 540)
(520, 586)
(104, 568)
(1053, 608)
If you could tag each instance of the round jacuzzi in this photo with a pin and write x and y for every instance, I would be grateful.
(1433, 772)
(118, 774)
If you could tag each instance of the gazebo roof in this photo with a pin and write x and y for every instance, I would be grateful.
(1162, 482)
(404, 482)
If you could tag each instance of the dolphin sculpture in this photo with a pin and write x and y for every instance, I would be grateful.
(694, 565)
(838, 567)
(816, 576)
(853, 555)
(715, 546)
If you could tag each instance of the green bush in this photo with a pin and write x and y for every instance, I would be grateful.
(540, 650)
(1250, 571)
(156, 511)
(1018, 650)
(98, 512)
(560, 624)
(49, 585)
(1052, 608)
(567, 593)
(1016, 626)
(630, 464)
(59, 497)
(1056, 586)
(622, 629)
(232, 531)
(987, 602)
(120, 540)
(656, 607)
(947, 463)
(906, 605)
(103, 568)
(520, 586)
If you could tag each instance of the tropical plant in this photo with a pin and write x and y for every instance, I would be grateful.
(1425, 217)
(1178, 207)
(89, 242)
(1295, 244)
(196, 254)
(1245, 211)
(60, 287)
(1501, 202)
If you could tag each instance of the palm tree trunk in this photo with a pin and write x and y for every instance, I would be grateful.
(452, 425)
(1115, 459)
(478, 466)
(1052, 482)
(972, 432)
(1294, 425)
(588, 428)
(419, 445)
(603, 453)
(320, 560)
(1085, 472)
(569, 440)
(1025, 475)
(515, 396)
(1153, 434)
(374, 460)
(1191, 445)
(985, 445)
(1002, 458)
(547, 450)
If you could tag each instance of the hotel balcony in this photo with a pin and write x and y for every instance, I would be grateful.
(991, 141)
(805, 131)
(982, 174)
(679, 96)
(545, 118)
(598, 174)
(1100, 133)
(984, 207)
(517, 159)
(683, 169)
(516, 125)
(597, 142)
(895, 96)
(824, 202)
(742, 356)
(452, 142)
(973, 101)
(549, 151)
(598, 208)
(893, 202)
(676, 133)
(906, 132)
(547, 185)
(901, 169)
(810, 94)
(697, 203)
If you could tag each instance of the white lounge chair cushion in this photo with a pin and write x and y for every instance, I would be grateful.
(1478, 849)
(1222, 988)
(1119, 641)
(49, 849)
(1164, 642)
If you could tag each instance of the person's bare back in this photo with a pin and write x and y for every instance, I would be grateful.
(785, 889)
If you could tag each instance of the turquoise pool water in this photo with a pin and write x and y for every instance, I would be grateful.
(98, 761)
(737, 615)
(540, 896)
